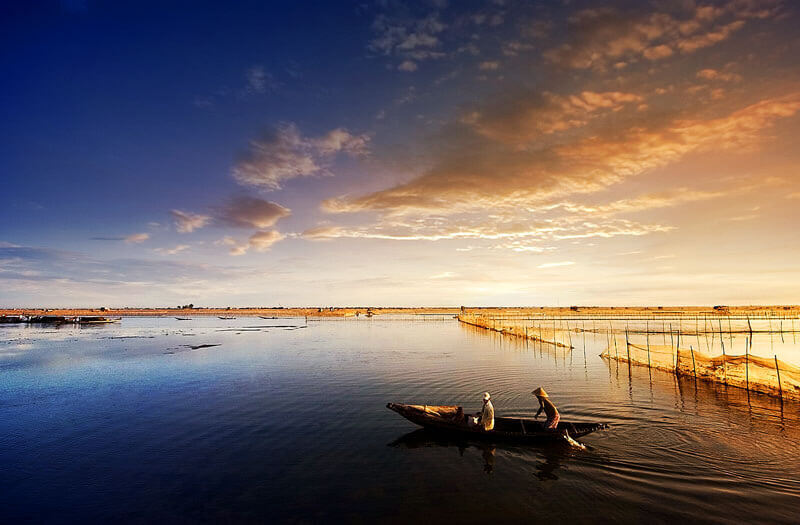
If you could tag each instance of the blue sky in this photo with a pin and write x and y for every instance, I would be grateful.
(399, 153)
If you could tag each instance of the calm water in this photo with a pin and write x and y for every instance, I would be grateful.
(278, 423)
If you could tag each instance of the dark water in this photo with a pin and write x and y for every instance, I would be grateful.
(129, 423)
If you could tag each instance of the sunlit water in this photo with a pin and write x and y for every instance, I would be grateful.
(129, 423)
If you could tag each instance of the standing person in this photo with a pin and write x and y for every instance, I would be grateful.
(549, 408)
(484, 418)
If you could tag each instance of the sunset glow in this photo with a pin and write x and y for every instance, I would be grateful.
(430, 153)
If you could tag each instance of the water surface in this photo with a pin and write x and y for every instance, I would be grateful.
(286, 421)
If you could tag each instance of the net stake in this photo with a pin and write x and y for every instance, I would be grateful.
(747, 344)
(627, 344)
(725, 365)
(777, 369)
(694, 367)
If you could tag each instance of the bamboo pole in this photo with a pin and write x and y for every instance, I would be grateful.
(671, 345)
(694, 366)
(583, 328)
(697, 333)
(725, 365)
(569, 334)
(771, 342)
(777, 369)
(647, 331)
(627, 345)
(747, 363)
(541, 341)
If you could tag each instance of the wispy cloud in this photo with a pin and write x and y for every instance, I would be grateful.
(259, 80)
(174, 250)
(187, 222)
(482, 171)
(407, 65)
(556, 264)
(284, 154)
(411, 39)
(251, 212)
(526, 235)
(260, 241)
(137, 237)
(601, 36)
(133, 238)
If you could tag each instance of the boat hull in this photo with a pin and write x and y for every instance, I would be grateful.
(450, 419)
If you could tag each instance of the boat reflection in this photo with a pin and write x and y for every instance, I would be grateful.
(547, 457)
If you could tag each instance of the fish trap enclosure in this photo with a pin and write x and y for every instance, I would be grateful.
(743, 355)
(553, 331)
(759, 354)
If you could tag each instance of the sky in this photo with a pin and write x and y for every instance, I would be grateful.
(399, 153)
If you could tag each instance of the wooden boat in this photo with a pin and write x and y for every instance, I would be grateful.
(452, 419)
(94, 319)
(221, 317)
(48, 319)
(12, 319)
(183, 318)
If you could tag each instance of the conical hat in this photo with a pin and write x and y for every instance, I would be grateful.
(539, 392)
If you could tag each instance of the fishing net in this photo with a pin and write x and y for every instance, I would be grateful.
(634, 341)
(553, 333)
(760, 374)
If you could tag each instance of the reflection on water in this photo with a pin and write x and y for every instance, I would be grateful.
(146, 421)
(547, 456)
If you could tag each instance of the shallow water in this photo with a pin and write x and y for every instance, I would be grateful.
(129, 422)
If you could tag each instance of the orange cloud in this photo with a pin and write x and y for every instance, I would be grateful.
(251, 212)
(603, 36)
(526, 117)
(260, 241)
(481, 171)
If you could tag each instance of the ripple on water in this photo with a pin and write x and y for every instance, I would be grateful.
(292, 424)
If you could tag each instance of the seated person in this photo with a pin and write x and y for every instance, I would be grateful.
(484, 418)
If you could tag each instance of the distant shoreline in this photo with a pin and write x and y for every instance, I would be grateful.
(445, 310)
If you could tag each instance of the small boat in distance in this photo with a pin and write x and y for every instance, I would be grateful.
(94, 319)
(268, 317)
(48, 319)
(12, 319)
(221, 317)
(183, 318)
(451, 419)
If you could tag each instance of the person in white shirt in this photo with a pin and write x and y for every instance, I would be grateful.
(485, 418)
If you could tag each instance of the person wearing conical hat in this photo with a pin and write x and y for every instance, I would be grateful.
(548, 407)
